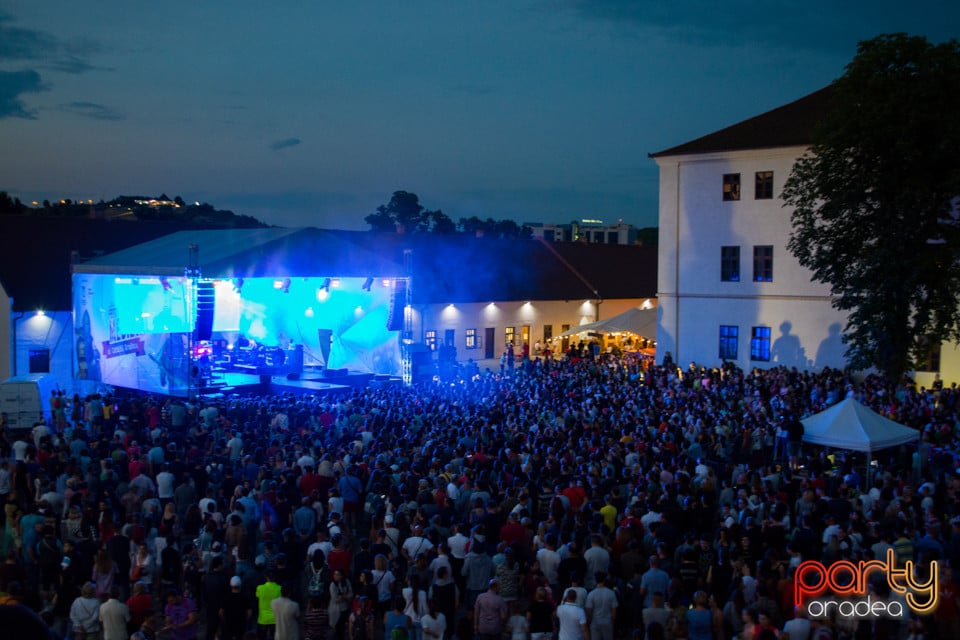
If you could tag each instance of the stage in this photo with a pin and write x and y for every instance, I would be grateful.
(311, 382)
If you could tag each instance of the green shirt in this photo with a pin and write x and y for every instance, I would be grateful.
(267, 593)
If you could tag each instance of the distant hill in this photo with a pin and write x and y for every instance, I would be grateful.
(134, 208)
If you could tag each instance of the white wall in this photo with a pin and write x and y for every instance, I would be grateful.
(501, 315)
(54, 331)
(695, 222)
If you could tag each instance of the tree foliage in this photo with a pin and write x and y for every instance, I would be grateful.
(875, 200)
(404, 213)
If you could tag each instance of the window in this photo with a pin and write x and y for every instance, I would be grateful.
(760, 344)
(613, 237)
(510, 336)
(449, 338)
(547, 332)
(39, 360)
(731, 186)
(430, 339)
(763, 263)
(471, 339)
(763, 189)
(525, 334)
(730, 264)
(729, 341)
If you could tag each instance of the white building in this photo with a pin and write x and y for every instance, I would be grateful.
(585, 230)
(728, 288)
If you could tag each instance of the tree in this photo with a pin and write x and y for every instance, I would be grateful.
(441, 223)
(403, 213)
(875, 200)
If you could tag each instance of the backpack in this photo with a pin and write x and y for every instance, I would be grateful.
(318, 580)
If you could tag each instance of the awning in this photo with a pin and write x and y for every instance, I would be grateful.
(642, 322)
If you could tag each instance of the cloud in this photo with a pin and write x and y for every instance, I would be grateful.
(23, 44)
(820, 25)
(13, 84)
(91, 110)
(46, 50)
(285, 143)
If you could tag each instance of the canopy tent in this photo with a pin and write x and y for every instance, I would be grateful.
(642, 322)
(852, 426)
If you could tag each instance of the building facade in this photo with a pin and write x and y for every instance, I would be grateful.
(728, 288)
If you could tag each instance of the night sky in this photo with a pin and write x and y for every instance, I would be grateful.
(312, 112)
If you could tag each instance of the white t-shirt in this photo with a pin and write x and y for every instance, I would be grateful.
(20, 450)
(165, 484)
(571, 618)
(549, 564)
(415, 545)
(459, 545)
(420, 610)
(433, 628)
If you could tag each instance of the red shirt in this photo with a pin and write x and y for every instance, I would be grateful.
(577, 497)
(339, 559)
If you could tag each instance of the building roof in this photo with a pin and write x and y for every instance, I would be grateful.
(443, 268)
(251, 253)
(36, 254)
(791, 125)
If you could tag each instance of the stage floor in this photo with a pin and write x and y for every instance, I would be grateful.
(312, 383)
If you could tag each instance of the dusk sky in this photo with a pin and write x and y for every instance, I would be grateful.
(310, 112)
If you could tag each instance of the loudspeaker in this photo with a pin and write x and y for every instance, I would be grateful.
(398, 300)
(203, 329)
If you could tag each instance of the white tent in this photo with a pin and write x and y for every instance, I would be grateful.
(852, 426)
(642, 322)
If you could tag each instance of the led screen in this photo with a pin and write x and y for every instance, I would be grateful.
(152, 305)
(137, 332)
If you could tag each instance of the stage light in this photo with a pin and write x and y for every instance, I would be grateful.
(322, 294)
(367, 284)
(335, 283)
(278, 284)
(41, 312)
(387, 282)
(309, 312)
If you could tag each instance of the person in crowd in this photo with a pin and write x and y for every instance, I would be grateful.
(571, 619)
(286, 613)
(85, 614)
(114, 616)
(490, 613)
(180, 616)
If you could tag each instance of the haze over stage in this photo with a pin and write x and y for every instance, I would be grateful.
(276, 303)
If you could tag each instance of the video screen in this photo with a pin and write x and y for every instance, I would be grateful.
(136, 331)
(153, 305)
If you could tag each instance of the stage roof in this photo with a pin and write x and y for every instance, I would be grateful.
(452, 268)
(249, 253)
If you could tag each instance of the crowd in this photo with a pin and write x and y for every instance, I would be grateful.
(575, 498)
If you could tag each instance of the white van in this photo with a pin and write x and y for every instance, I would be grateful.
(26, 400)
